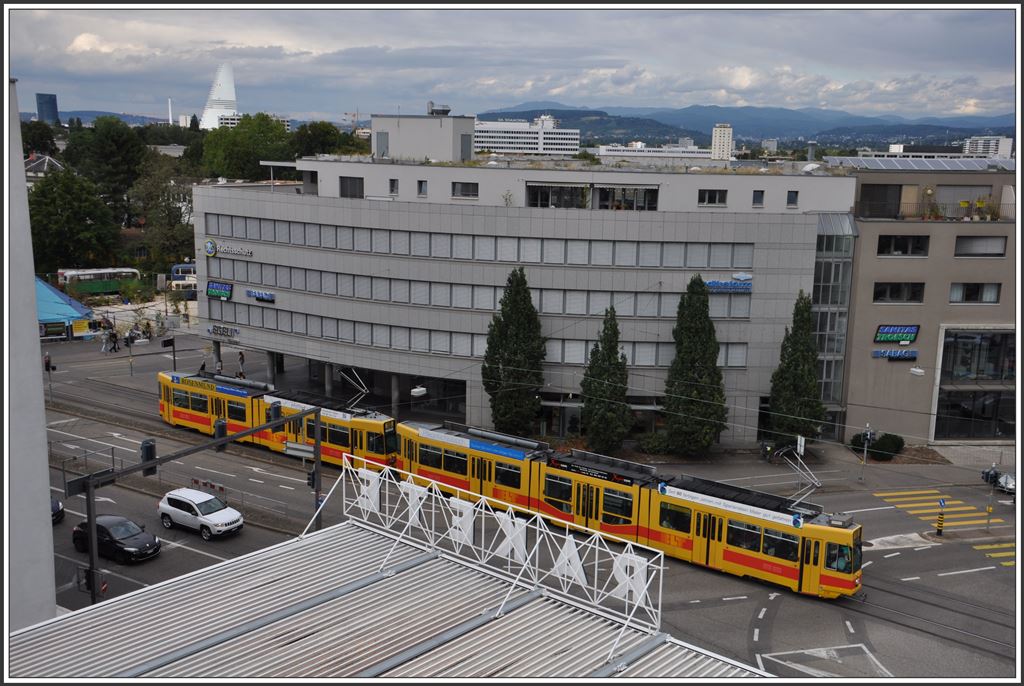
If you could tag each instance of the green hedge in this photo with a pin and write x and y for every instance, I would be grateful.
(883, 449)
(654, 443)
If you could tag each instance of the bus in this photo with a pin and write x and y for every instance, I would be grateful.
(187, 287)
(97, 281)
(181, 272)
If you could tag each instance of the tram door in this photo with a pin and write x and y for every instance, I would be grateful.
(810, 564)
(481, 476)
(707, 539)
(587, 509)
(219, 408)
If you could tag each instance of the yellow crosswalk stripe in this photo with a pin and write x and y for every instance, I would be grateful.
(884, 494)
(1009, 554)
(934, 498)
(993, 546)
(959, 515)
(936, 510)
(973, 521)
(933, 503)
(1007, 564)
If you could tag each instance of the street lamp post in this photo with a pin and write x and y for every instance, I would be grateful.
(867, 439)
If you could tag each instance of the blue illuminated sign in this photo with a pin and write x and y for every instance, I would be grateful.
(264, 296)
(894, 333)
(729, 286)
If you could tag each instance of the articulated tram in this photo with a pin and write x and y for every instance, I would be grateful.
(703, 522)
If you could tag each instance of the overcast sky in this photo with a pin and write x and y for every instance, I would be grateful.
(321, 63)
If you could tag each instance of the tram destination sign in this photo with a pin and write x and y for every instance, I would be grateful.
(897, 333)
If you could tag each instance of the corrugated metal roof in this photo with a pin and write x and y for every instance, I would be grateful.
(358, 600)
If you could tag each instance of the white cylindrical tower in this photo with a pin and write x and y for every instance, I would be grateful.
(222, 98)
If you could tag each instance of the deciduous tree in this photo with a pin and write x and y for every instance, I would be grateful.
(37, 136)
(511, 371)
(109, 155)
(236, 152)
(315, 137)
(71, 225)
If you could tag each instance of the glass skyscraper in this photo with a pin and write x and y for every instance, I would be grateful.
(46, 108)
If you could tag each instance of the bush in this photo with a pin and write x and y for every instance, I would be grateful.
(883, 449)
(653, 443)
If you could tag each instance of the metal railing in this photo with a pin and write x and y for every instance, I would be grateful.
(935, 211)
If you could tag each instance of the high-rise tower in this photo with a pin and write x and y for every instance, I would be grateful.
(721, 142)
(46, 108)
(222, 98)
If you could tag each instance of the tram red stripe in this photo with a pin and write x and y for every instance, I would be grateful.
(444, 478)
(666, 538)
(187, 416)
(543, 508)
(837, 581)
(759, 564)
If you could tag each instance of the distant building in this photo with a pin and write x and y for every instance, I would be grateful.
(231, 121)
(905, 151)
(222, 98)
(37, 166)
(542, 137)
(184, 121)
(986, 146)
(721, 142)
(665, 155)
(46, 108)
(770, 145)
(686, 142)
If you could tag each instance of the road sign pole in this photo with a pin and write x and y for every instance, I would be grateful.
(988, 521)
(90, 514)
(864, 460)
(942, 513)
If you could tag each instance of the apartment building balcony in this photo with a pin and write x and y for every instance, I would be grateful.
(933, 211)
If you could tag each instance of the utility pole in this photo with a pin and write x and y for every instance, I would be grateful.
(867, 439)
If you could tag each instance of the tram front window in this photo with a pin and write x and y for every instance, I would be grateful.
(839, 558)
(857, 552)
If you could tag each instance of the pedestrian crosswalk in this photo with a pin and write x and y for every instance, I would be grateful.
(927, 504)
(1000, 552)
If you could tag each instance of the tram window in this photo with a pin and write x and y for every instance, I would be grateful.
(558, 492)
(375, 442)
(618, 507)
(455, 462)
(166, 391)
(675, 517)
(837, 557)
(294, 426)
(807, 552)
(199, 403)
(430, 456)
(781, 545)
(337, 436)
(181, 399)
(815, 561)
(743, 535)
(236, 411)
(507, 475)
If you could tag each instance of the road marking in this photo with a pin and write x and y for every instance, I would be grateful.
(94, 440)
(175, 544)
(263, 472)
(773, 595)
(255, 480)
(1009, 553)
(959, 515)
(974, 521)
(71, 447)
(866, 564)
(850, 627)
(937, 510)
(916, 497)
(123, 437)
(871, 509)
(760, 615)
(61, 421)
(910, 578)
(756, 632)
(993, 546)
(924, 547)
(290, 488)
(1007, 564)
(736, 597)
(966, 571)
(214, 471)
(886, 493)
(930, 503)
(892, 555)
(101, 570)
(96, 498)
(694, 601)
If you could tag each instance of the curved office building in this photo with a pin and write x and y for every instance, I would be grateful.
(222, 98)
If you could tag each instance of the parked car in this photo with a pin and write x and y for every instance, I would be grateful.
(1007, 483)
(202, 512)
(117, 538)
(56, 509)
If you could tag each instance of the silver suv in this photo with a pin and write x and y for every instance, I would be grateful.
(203, 512)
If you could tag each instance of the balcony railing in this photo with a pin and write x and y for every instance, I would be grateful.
(935, 211)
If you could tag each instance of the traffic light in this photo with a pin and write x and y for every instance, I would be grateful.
(47, 365)
(147, 453)
(273, 412)
(220, 430)
(311, 478)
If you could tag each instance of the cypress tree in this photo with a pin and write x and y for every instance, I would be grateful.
(193, 123)
(794, 403)
(606, 414)
(511, 371)
(694, 393)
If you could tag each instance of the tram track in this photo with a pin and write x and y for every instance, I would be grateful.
(980, 627)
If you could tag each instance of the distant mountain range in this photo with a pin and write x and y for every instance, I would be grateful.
(756, 123)
(88, 116)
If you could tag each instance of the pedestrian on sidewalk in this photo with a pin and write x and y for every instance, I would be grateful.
(219, 366)
(241, 364)
(114, 347)
(105, 336)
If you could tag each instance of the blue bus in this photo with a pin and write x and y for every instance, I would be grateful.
(182, 272)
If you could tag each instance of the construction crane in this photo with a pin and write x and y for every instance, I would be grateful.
(354, 116)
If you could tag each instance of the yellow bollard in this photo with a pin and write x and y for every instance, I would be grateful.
(938, 525)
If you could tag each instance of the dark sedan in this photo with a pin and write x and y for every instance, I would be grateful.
(119, 539)
(56, 510)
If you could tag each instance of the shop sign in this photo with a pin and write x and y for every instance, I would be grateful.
(80, 327)
(729, 286)
(897, 333)
(225, 331)
(262, 296)
(212, 249)
(219, 290)
(897, 354)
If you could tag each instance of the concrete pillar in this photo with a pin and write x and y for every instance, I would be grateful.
(394, 395)
(217, 358)
(279, 362)
(271, 367)
(328, 378)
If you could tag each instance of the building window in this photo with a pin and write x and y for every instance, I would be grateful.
(557, 196)
(758, 199)
(979, 356)
(980, 246)
(421, 188)
(465, 190)
(791, 198)
(351, 186)
(904, 292)
(974, 293)
(732, 354)
(392, 186)
(711, 197)
(894, 246)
